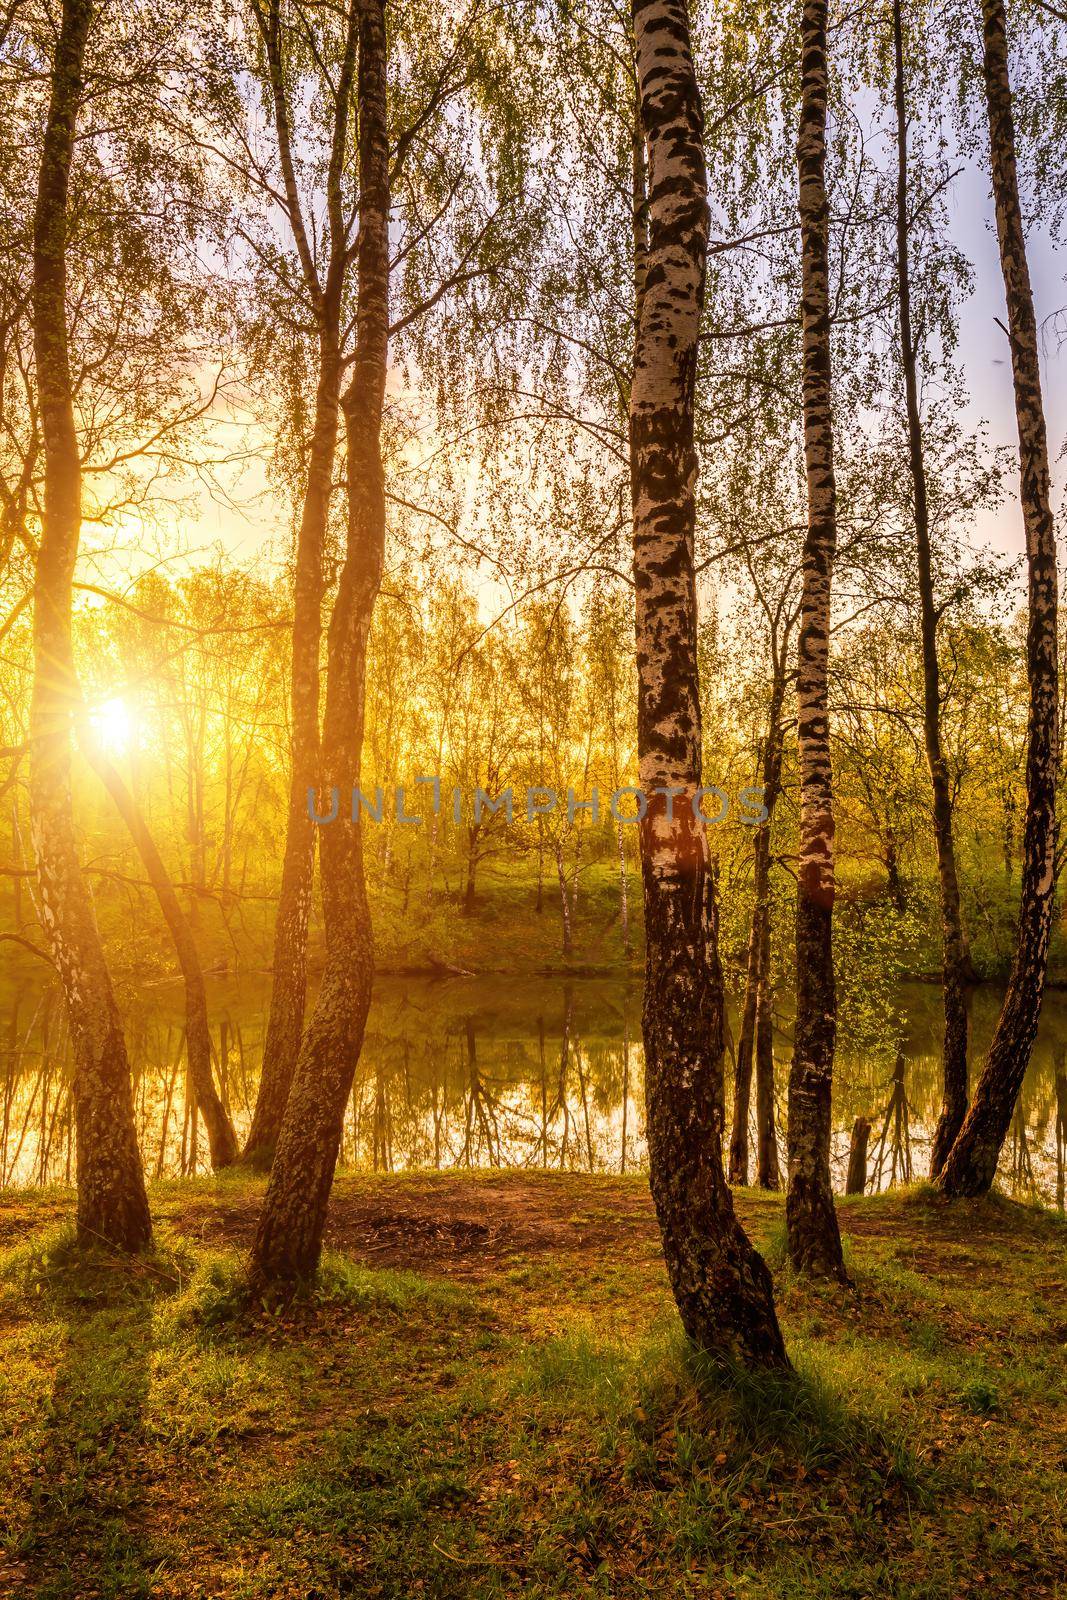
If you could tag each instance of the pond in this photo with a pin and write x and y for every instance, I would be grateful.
(523, 1072)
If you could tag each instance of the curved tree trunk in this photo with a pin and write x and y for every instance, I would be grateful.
(811, 1221)
(112, 1201)
(953, 945)
(289, 1236)
(971, 1164)
(721, 1284)
(289, 986)
(222, 1141)
(285, 1023)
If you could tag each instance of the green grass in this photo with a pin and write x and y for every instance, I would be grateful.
(535, 1425)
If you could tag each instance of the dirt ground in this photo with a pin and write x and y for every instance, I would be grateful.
(468, 1225)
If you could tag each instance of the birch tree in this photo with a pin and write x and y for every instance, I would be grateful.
(954, 958)
(814, 1239)
(322, 289)
(112, 1201)
(721, 1284)
(971, 1163)
(450, 234)
(289, 1234)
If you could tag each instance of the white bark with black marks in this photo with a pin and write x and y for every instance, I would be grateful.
(811, 1221)
(971, 1164)
(721, 1284)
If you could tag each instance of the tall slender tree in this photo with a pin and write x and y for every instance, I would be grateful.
(971, 1164)
(811, 1221)
(112, 1201)
(289, 1236)
(721, 1284)
(954, 960)
(323, 287)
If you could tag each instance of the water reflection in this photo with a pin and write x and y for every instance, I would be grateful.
(502, 1073)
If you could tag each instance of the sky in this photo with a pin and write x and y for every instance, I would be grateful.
(984, 348)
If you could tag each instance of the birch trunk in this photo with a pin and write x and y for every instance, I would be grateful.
(112, 1201)
(971, 1164)
(953, 944)
(285, 1022)
(289, 1235)
(811, 1221)
(721, 1285)
(289, 984)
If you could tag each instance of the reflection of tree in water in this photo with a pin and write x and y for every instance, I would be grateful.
(625, 1096)
(381, 1125)
(475, 1100)
(37, 1115)
(892, 1161)
(479, 1073)
(481, 1133)
(1021, 1166)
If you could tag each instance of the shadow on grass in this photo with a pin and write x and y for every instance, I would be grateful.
(672, 1396)
(85, 1531)
(800, 1415)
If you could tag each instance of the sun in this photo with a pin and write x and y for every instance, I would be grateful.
(112, 725)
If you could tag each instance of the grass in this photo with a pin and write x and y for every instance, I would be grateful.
(507, 934)
(526, 1420)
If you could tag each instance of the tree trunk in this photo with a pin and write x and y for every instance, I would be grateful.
(112, 1201)
(470, 891)
(624, 894)
(738, 1167)
(971, 1164)
(289, 1236)
(953, 945)
(856, 1181)
(759, 934)
(721, 1284)
(289, 986)
(539, 903)
(814, 1240)
(767, 1174)
(222, 1141)
(564, 903)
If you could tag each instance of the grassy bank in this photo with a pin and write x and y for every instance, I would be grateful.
(487, 1396)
